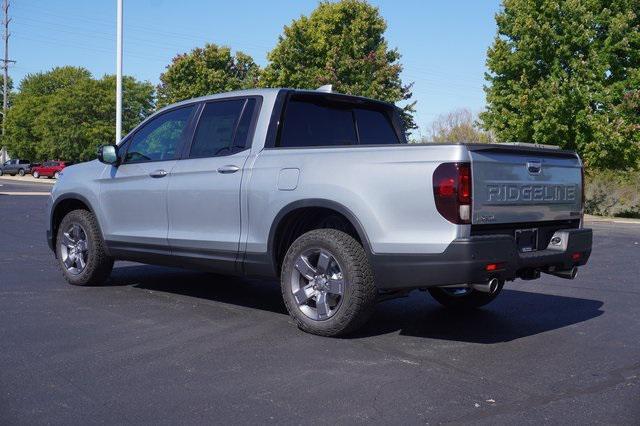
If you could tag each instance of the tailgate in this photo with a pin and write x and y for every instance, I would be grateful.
(512, 185)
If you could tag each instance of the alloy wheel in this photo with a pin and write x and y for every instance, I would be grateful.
(74, 249)
(318, 284)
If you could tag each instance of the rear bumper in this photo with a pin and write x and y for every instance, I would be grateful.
(465, 260)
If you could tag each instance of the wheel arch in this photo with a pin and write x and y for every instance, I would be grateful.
(305, 205)
(63, 205)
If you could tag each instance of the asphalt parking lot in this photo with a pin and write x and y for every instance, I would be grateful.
(161, 345)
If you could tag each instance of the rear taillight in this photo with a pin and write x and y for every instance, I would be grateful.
(452, 191)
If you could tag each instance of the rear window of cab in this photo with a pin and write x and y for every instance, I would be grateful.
(317, 121)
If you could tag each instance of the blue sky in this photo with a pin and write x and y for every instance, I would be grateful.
(443, 43)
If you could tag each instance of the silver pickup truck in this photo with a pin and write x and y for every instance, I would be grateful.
(322, 191)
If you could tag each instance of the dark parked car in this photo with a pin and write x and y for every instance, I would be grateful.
(49, 169)
(15, 167)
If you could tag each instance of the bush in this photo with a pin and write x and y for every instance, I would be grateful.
(613, 193)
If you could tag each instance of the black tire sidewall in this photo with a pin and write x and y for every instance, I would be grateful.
(341, 322)
(93, 273)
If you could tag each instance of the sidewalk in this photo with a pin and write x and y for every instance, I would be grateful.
(27, 179)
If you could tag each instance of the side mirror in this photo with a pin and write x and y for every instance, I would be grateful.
(108, 154)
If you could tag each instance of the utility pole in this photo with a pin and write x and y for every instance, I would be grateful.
(5, 61)
(118, 72)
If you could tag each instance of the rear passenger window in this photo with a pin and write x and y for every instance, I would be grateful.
(375, 128)
(309, 122)
(217, 128)
(242, 132)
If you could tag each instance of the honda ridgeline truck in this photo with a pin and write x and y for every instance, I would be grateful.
(323, 191)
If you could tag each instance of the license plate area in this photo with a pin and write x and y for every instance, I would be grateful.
(526, 239)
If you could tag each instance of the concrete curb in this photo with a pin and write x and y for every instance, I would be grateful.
(601, 219)
(28, 193)
(27, 179)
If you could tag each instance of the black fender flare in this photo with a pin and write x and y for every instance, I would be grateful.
(54, 206)
(322, 203)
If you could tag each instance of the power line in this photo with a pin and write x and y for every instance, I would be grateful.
(422, 72)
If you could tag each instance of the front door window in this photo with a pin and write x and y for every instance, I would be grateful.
(159, 139)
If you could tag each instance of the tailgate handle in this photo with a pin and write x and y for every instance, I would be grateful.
(534, 167)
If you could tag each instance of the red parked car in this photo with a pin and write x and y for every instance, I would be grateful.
(49, 169)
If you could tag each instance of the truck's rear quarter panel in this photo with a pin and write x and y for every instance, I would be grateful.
(388, 189)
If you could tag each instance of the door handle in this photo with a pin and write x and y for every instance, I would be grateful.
(158, 173)
(228, 169)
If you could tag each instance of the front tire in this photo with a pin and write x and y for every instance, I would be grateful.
(327, 283)
(81, 251)
(36, 175)
(463, 298)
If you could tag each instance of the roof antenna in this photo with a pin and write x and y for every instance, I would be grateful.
(327, 88)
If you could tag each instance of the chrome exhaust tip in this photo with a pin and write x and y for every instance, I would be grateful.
(490, 286)
(567, 274)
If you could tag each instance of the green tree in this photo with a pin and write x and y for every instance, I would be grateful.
(30, 102)
(67, 114)
(49, 82)
(560, 72)
(343, 44)
(205, 71)
(629, 119)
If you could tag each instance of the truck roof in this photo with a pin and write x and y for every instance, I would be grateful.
(267, 93)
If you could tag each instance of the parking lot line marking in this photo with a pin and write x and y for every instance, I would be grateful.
(25, 193)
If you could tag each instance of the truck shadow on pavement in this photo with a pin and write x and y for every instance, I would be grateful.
(513, 315)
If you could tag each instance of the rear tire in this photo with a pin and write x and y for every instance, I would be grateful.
(339, 295)
(471, 299)
(81, 251)
(21, 172)
(56, 175)
(1, 172)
